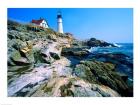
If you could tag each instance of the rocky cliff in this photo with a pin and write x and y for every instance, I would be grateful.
(42, 62)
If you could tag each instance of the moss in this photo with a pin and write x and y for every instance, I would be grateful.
(47, 89)
(38, 58)
(72, 79)
(99, 67)
(89, 64)
(50, 31)
(69, 84)
(103, 73)
(65, 90)
(60, 35)
(81, 53)
(109, 66)
(15, 55)
(23, 70)
(84, 72)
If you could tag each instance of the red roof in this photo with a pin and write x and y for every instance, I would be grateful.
(37, 21)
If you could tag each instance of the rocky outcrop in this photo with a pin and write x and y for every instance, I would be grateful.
(42, 62)
(77, 52)
(19, 52)
(38, 75)
(123, 63)
(73, 87)
(92, 42)
(25, 44)
(51, 52)
(33, 56)
(102, 73)
(95, 43)
(56, 80)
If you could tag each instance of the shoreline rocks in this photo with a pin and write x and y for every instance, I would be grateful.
(93, 42)
(73, 87)
(102, 73)
(46, 63)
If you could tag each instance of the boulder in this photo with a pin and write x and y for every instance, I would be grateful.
(77, 52)
(95, 43)
(19, 52)
(51, 52)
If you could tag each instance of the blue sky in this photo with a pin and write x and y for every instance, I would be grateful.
(109, 24)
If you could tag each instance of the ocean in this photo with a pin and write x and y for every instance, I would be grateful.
(125, 48)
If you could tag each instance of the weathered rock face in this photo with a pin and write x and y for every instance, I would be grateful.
(102, 73)
(123, 63)
(38, 75)
(52, 52)
(72, 87)
(19, 52)
(42, 62)
(77, 52)
(112, 70)
(34, 57)
(56, 80)
(25, 45)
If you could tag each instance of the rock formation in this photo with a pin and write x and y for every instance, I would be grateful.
(44, 63)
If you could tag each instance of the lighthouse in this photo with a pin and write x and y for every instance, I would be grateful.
(59, 22)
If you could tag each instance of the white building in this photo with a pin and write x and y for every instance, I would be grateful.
(41, 22)
(59, 23)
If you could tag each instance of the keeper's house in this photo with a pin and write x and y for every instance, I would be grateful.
(41, 22)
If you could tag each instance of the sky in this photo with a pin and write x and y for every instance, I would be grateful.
(113, 25)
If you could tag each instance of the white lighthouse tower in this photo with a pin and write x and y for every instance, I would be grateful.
(59, 22)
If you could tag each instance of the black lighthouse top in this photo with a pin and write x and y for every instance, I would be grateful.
(59, 14)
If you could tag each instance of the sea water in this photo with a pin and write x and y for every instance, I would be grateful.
(125, 48)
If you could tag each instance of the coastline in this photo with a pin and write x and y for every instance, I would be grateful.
(48, 64)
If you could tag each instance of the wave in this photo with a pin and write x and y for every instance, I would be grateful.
(93, 49)
(117, 45)
(121, 48)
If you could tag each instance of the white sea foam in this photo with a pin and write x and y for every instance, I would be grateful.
(117, 45)
(93, 49)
